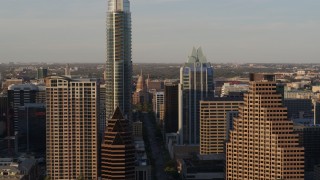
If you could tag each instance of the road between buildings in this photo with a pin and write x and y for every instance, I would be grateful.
(155, 147)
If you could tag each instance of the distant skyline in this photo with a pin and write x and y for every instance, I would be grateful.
(164, 31)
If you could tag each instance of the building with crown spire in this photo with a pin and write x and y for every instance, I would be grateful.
(196, 83)
(141, 96)
(118, 62)
(118, 150)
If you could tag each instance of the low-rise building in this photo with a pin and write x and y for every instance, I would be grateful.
(197, 168)
(142, 168)
(27, 169)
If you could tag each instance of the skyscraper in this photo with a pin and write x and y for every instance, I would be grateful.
(171, 107)
(262, 143)
(117, 150)
(118, 63)
(72, 128)
(196, 83)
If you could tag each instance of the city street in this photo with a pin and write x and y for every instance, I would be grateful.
(155, 146)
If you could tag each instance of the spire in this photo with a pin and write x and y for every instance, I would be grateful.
(140, 83)
(67, 70)
(117, 114)
(197, 56)
(118, 5)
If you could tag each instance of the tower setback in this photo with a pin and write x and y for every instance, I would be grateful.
(262, 143)
(117, 150)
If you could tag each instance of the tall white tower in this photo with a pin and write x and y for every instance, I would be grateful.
(118, 60)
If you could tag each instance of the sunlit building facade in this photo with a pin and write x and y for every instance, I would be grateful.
(72, 128)
(214, 123)
(118, 63)
(262, 143)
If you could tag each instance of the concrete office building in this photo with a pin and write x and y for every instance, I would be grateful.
(262, 143)
(72, 128)
(214, 125)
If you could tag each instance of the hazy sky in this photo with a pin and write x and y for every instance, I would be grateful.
(163, 30)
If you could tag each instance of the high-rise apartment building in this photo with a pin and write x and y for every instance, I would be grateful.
(213, 123)
(196, 83)
(262, 143)
(118, 64)
(118, 150)
(72, 130)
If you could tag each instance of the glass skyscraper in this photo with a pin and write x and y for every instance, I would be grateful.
(118, 65)
(196, 83)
